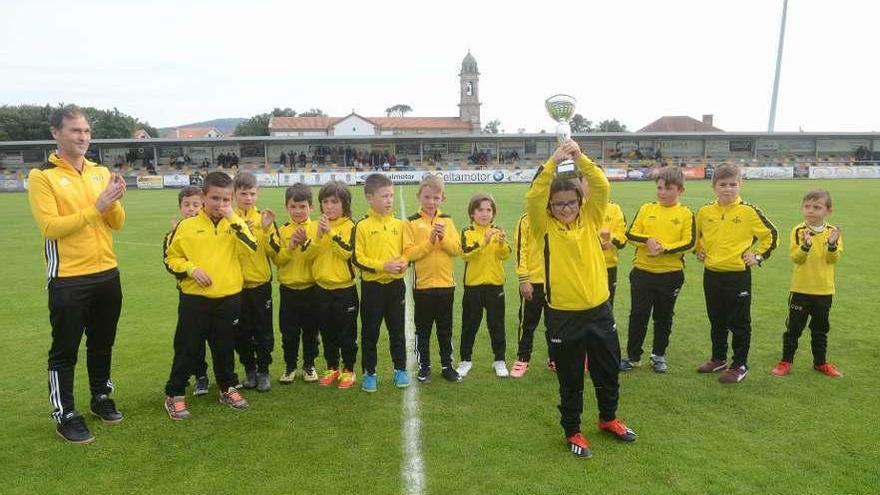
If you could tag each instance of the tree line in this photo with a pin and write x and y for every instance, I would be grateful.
(31, 123)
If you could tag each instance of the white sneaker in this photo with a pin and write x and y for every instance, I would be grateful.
(500, 369)
(464, 367)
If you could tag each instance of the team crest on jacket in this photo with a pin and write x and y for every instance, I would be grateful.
(676, 221)
(736, 219)
(64, 181)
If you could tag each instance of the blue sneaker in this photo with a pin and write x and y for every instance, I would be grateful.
(401, 378)
(370, 383)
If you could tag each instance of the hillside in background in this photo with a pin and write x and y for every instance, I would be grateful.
(226, 126)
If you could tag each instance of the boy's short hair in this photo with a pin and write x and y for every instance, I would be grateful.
(216, 179)
(339, 190)
(560, 184)
(433, 181)
(298, 192)
(478, 198)
(187, 192)
(818, 195)
(374, 182)
(56, 120)
(672, 176)
(726, 171)
(244, 180)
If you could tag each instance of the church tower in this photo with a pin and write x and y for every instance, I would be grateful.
(469, 105)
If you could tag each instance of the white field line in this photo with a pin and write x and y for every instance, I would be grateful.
(412, 466)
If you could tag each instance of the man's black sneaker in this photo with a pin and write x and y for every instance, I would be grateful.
(450, 375)
(103, 407)
(201, 386)
(424, 375)
(73, 429)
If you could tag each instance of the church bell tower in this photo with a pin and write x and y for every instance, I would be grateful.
(469, 103)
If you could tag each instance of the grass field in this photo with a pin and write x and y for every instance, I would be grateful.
(801, 434)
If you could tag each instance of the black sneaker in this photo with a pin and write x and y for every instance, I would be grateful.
(201, 386)
(103, 407)
(250, 380)
(424, 375)
(263, 383)
(73, 429)
(450, 375)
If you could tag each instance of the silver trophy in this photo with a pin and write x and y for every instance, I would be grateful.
(561, 109)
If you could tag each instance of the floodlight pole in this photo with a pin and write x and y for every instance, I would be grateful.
(772, 122)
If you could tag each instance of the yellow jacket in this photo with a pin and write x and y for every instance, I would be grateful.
(255, 264)
(432, 262)
(574, 267)
(673, 226)
(78, 239)
(529, 258)
(197, 243)
(725, 233)
(377, 239)
(814, 267)
(615, 223)
(331, 254)
(483, 263)
(294, 265)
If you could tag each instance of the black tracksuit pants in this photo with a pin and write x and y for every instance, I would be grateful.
(476, 298)
(612, 285)
(803, 307)
(575, 335)
(383, 301)
(336, 312)
(254, 336)
(297, 319)
(433, 306)
(728, 304)
(657, 292)
(199, 319)
(87, 304)
(529, 317)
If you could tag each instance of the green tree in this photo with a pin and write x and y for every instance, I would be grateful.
(313, 112)
(610, 126)
(258, 125)
(31, 122)
(398, 110)
(493, 127)
(580, 124)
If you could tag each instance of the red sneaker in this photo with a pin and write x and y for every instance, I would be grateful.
(828, 369)
(329, 377)
(782, 368)
(619, 429)
(580, 446)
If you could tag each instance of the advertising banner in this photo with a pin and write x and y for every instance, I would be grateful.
(150, 182)
(845, 172)
(615, 173)
(768, 172)
(176, 180)
(267, 180)
(694, 172)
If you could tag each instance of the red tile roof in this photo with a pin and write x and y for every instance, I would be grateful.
(323, 123)
(678, 123)
(195, 132)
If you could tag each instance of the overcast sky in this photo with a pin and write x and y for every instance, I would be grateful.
(172, 63)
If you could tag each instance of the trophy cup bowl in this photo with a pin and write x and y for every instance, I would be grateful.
(561, 109)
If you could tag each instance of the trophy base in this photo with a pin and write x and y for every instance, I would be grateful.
(566, 170)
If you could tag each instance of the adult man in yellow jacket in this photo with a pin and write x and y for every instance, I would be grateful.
(76, 205)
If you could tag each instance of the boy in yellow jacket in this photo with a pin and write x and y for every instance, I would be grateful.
(662, 232)
(815, 247)
(378, 251)
(484, 248)
(254, 335)
(335, 295)
(204, 253)
(732, 238)
(430, 241)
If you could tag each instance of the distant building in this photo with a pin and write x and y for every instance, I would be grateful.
(681, 123)
(467, 122)
(140, 134)
(196, 133)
